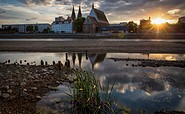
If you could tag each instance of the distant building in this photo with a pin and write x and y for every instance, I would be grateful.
(181, 20)
(22, 27)
(115, 28)
(62, 25)
(145, 24)
(65, 25)
(94, 21)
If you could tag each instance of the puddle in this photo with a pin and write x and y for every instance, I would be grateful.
(140, 88)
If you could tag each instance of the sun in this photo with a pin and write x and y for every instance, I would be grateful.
(159, 21)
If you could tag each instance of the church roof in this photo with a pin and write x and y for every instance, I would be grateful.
(73, 16)
(100, 15)
(79, 13)
(92, 19)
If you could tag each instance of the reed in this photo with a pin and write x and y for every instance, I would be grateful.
(89, 97)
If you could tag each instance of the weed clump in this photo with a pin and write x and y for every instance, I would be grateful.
(89, 97)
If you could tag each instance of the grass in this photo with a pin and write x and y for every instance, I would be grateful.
(89, 97)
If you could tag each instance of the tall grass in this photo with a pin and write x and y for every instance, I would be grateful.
(89, 97)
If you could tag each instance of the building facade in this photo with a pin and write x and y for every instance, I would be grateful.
(181, 20)
(94, 21)
(22, 27)
(61, 25)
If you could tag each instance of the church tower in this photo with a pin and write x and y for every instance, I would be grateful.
(79, 13)
(73, 16)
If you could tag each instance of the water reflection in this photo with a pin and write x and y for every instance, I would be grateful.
(146, 88)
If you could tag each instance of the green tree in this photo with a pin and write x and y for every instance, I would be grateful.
(47, 30)
(78, 24)
(132, 27)
(29, 28)
(14, 29)
(9, 28)
(36, 28)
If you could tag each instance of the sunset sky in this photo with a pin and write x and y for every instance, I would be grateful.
(44, 11)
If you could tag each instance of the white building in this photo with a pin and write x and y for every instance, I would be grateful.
(62, 25)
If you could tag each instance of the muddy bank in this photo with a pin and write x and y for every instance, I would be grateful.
(93, 45)
(97, 36)
(22, 86)
(152, 63)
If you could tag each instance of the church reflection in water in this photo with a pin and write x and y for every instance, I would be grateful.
(94, 58)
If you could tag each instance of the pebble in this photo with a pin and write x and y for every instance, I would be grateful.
(44, 70)
(34, 88)
(23, 83)
(7, 87)
(24, 94)
(5, 95)
(31, 77)
(38, 97)
(9, 91)
(25, 90)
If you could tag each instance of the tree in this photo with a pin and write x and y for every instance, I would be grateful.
(36, 28)
(132, 27)
(9, 28)
(78, 24)
(15, 29)
(29, 28)
(47, 30)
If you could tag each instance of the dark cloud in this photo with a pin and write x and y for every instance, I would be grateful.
(2, 12)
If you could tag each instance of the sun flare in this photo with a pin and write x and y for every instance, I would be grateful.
(159, 21)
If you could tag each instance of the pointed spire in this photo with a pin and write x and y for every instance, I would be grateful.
(92, 5)
(79, 13)
(73, 16)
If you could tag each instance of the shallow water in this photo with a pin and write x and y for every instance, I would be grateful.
(140, 88)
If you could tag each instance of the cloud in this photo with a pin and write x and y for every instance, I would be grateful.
(2, 12)
(44, 2)
(116, 10)
(34, 18)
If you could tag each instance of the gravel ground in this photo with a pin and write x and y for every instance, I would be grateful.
(22, 86)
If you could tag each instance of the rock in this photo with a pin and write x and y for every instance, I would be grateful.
(25, 90)
(38, 97)
(31, 77)
(44, 70)
(34, 88)
(9, 91)
(24, 80)
(24, 94)
(23, 83)
(52, 88)
(13, 84)
(36, 81)
(5, 95)
(6, 87)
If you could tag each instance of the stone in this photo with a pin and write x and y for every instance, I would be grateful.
(7, 87)
(9, 91)
(24, 94)
(38, 97)
(23, 83)
(31, 77)
(5, 95)
(34, 88)
(25, 90)
(24, 80)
